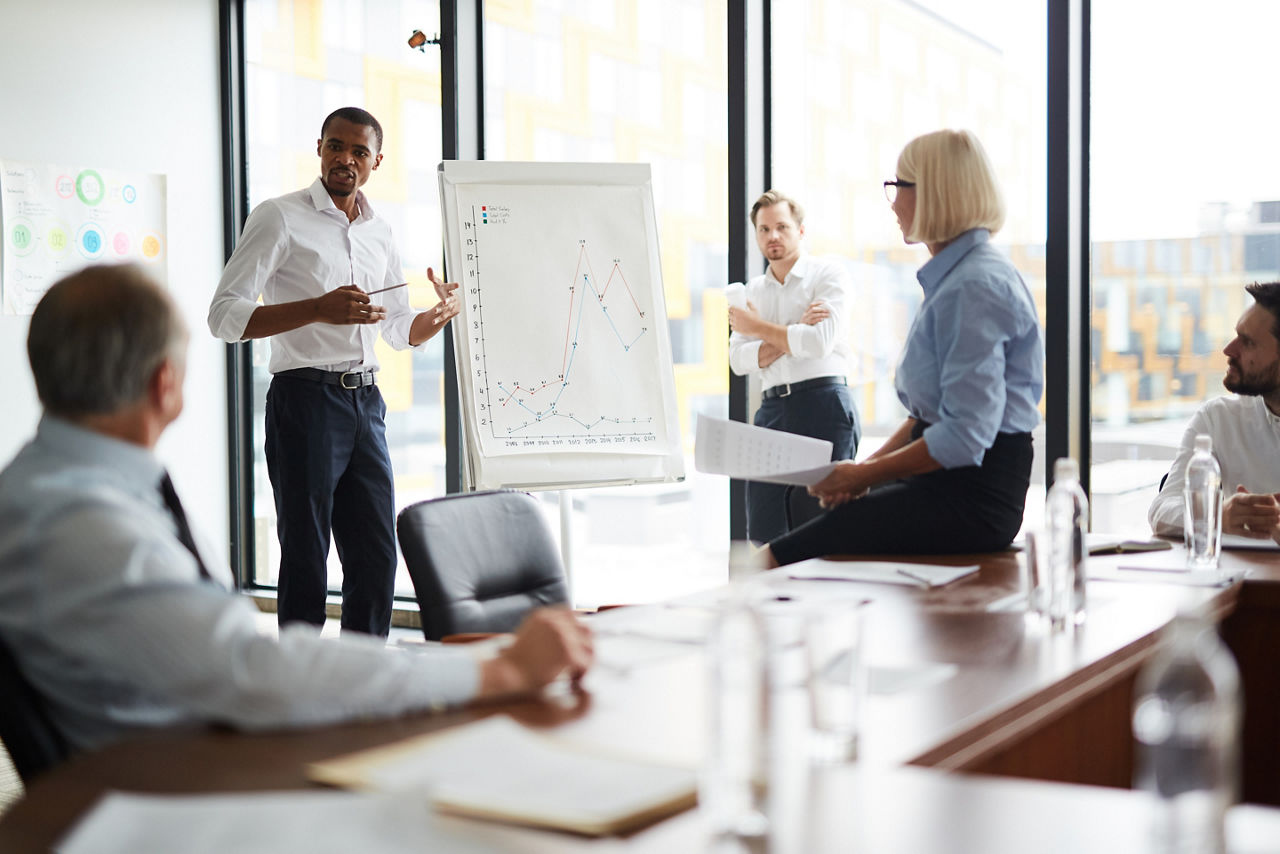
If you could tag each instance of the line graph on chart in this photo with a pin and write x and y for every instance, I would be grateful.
(560, 329)
(584, 295)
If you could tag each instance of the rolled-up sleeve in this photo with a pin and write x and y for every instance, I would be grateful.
(1165, 513)
(744, 354)
(259, 252)
(818, 340)
(971, 351)
(400, 315)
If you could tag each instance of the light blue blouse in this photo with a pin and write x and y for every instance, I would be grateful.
(973, 364)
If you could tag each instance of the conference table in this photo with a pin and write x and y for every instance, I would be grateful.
(970, 684)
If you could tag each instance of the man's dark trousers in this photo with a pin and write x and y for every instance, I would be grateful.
(822, 413)
(327, 457)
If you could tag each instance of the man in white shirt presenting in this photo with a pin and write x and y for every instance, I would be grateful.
(315, 257)
(793, 334)
(1245, 429)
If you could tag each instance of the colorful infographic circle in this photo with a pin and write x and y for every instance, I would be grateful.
(57, 239)
(120, 243)
(151, 247)
(65, 186)
(129, 193)
(21, 237)
(90, 187)
(91, 241)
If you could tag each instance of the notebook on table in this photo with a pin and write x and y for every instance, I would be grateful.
(498, 769)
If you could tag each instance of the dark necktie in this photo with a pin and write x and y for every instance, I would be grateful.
(180, 517)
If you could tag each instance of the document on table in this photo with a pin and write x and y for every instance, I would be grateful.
(663, 622)
(1236, 541)
(495, 768)
(1164, 574)
(748, 452)
(886, 572)
(264, 822)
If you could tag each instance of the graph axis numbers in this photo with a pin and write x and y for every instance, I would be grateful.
(494, 396)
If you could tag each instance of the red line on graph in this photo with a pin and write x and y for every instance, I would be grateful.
(578, 281)
(529, 392)
(623, 276)
(564, 358)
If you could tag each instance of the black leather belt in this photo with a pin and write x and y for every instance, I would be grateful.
(788, 389)
(345, 379)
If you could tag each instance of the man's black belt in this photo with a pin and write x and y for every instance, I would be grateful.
(788, 389)
(345, 379)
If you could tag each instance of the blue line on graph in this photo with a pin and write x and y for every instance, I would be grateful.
(605, 310)
(564, 383)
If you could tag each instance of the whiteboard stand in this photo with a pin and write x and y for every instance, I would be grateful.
(562, 346)
(566, 541)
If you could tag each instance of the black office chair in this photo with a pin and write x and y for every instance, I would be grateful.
(479, 561)
(29, 735)
(798, 507)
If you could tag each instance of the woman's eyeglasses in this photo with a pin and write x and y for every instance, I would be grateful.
(891, 188)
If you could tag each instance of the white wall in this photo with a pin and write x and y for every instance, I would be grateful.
(130, 84)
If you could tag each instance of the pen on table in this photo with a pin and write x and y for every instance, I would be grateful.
(919, 579)
(388, 288)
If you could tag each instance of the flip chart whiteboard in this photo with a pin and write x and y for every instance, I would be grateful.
(563, 351)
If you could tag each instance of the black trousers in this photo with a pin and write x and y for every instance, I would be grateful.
(331, 472)
(827, 413)
(961, 510)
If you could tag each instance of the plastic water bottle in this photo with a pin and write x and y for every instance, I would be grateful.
(1067, 515)
(1202, 507)
(1186, 723)
(732, 785)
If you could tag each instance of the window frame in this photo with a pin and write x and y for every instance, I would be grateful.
(1067, 393)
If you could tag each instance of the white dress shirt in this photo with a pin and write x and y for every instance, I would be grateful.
(1246, 443)
(300, 246)
(106, 612)
(820, 350)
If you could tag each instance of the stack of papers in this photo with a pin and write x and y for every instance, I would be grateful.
(886, 572)
(498, 769)
(1236, 541)
(756, 453)
(1167, 574)
(266, 822)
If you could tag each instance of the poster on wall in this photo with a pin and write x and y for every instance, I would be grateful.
(56, 220)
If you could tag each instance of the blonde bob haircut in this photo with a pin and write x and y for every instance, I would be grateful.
(956, 188)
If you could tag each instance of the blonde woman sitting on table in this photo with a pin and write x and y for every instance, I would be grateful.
(953, 477)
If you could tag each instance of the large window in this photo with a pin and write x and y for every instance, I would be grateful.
(635, 82)
(1182, 217)
(854, 81)
(1183, 212)
(304, 60)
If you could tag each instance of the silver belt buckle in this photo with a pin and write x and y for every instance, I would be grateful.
(359, 375)
(786, 390)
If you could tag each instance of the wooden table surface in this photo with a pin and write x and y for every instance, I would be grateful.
(1006, 696)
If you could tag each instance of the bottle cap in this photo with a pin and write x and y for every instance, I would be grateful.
(1065, 468)
(1204, 442)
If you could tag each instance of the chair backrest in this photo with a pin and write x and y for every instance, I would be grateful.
(799, 507)
(29, 735)
(479, 561)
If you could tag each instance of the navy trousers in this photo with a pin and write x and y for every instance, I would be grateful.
(331, 472)
(827, 413)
